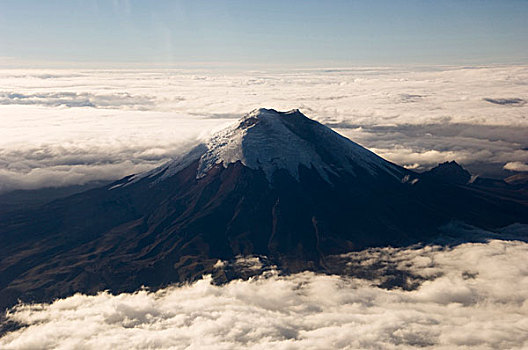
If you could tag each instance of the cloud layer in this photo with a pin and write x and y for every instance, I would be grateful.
(73, 99)
(471, 296)
(64, 127)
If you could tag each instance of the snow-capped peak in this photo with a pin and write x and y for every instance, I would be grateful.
(261, 140)
(269, 140)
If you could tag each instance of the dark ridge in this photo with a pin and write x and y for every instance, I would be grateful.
(449, 172)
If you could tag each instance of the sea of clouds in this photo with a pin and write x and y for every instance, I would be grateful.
(66, 127)
(473, 295)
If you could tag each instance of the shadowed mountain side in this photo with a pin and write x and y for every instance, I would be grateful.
(26, 199)
(450, 172)
(513, 188)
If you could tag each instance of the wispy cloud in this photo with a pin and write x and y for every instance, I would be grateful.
(506, 101)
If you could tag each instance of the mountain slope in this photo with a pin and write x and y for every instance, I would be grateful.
(275, 184)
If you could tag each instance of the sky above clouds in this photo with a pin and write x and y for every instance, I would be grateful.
(65, 127)
(241, 33)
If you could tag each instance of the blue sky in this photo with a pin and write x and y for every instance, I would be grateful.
(275, 32)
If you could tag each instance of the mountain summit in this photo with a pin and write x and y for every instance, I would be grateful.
(275, 184)
(268, 140)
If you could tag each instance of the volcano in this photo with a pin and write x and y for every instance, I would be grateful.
(275, 184)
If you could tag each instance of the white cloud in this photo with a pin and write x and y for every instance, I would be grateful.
(409, 115)
(473, 295)
(516, 166)
(74, 99)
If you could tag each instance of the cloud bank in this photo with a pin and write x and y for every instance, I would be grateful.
(46, 147)
(471, 296)
(74, 99)
(64, 127)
